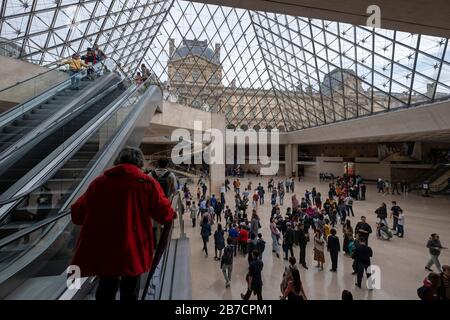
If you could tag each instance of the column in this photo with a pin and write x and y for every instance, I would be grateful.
(287, 160)
(294, 157)
(217, 171)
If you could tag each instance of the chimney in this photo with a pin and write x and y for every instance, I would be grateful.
(171, 47)
(217, 52)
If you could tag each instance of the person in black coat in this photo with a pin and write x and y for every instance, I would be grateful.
(303, 238)
(362, 255)
(289, 239)
(334, 247)
(363, 230)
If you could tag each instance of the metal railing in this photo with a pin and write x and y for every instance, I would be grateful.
(52, 168)
(161, 252)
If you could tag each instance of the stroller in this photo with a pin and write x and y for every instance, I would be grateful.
(383, 232)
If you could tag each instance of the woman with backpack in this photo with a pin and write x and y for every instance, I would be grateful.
(205, 232)
(219, 242)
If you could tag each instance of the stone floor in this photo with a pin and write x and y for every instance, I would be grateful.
(401, 261)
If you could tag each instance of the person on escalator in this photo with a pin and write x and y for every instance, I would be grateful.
(90, 59)
(115, 213)
(75, 67)
(166, 179)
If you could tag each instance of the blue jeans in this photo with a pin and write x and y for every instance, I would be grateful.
(74, 80)
(400, 230)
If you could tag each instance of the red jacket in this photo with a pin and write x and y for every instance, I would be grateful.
(116, 236)
(243, 236)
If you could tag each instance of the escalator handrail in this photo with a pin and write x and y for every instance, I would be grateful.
(28, 139)
(63, 212)
(36, 226)
(9, 112)
(163, 244)
(31, 78)
(44, 178)
(41, 183)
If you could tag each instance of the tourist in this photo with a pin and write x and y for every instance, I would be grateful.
(346, 295)
(260, 245)
(434, 247)
(363, 230)
(362, 188)
(292, 184)
(401, 225)
(261, 193)
(165, 177)
(349, 205)
(288, 240)
(115, 242)
(226, 263)
(233, 233)
(295, 203)
(362, 255)
(254, 223)
(281, 195)
(222, 193)
(302, 238)
(138, 79)
(75, 67)
(273, 198)
(292, 288)
(318, 200)
(347, 230)
(319, 248)
(238, 186)
(145, 72)
(275, 234)
(287, 184)
(254, 278)
(382, 214)
(99, 53)
(395, 212)
(334, 247)
(205, 232)
(219, 242)
(429, 290)
(444, 284)
(243, 239)
(380, 185)
(386, 187)
(255, 200)
(194, 211)
(218, 208)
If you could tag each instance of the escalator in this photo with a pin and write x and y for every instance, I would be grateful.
(18, 164)
(43, 101)
(37, 236)
(17, 128)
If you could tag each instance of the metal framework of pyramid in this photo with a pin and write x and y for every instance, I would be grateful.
(263, 70)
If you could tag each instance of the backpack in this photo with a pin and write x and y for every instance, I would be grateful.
(163, 181)
(421, 292)
(227, 257)
(260, 245)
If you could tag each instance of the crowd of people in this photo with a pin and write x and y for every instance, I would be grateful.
(312, 221)
(125, 193)
(77, 63)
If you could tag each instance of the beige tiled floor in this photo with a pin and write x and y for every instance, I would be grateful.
(401, 261)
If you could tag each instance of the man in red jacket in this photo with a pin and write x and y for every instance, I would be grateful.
(116, 236)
